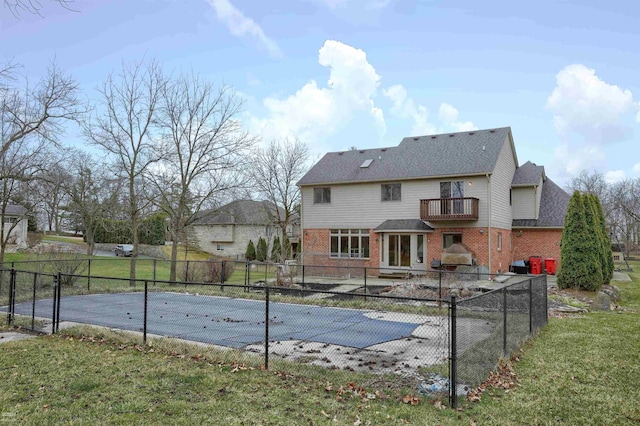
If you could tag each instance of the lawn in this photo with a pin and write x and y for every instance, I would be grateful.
(578, 370)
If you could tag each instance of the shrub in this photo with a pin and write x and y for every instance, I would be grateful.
(34, 238)
(261, 250)
(250, 254)
(67, 263)
(578, 253)
(276, 250)
(193, 272)
(218, 269)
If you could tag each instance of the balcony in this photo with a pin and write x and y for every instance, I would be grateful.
(449, 209)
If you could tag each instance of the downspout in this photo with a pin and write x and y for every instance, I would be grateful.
(489, 219)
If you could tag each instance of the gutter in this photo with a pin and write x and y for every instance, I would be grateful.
(489, 218)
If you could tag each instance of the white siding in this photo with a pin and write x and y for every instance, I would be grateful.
(501, 215)
(17, 235)
(360, 206)
(524, 202)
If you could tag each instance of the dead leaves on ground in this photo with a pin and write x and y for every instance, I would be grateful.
(504, 378)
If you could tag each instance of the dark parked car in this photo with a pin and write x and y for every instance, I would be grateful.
(124, 250)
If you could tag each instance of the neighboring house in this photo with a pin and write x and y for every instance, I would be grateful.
(400, 207)
(226, 231)
(15, 225)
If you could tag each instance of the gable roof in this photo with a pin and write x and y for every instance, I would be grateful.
(15, 210)
(239, 212)
(450, 154)
(553, 207)
(528, 174)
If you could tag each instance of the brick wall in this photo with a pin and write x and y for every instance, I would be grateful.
(533, 242)
(477, 240)
(316, 248)
(536, 242)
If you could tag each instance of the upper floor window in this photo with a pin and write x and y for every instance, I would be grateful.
(453, 189)
(321, 195)
(391, 192)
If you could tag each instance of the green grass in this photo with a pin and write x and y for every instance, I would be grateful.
(578, 370)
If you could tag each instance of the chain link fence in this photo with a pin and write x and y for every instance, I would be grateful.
(431, 327)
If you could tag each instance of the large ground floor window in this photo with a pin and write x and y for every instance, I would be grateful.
(349, 243)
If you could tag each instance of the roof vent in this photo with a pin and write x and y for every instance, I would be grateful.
(361, 152)
(492, 131)
(452, 135)
(340, 153)
(366, 163)
(472, 133)
(415, 138)
(383, 149)
(433, 137)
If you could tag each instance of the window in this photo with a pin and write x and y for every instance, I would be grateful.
(349, 243)
(450, 239)
(390, 191)
(321, 195)
(499, 241)
(453, 189)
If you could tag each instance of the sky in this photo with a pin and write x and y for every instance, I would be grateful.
(563, 74)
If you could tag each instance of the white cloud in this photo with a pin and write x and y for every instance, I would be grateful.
(241, 25)
(614, 176)
(585, 104)
(448, 114)
(405, 107)
(367, 4)
(314, 112)
(570, 161)
(636, 169)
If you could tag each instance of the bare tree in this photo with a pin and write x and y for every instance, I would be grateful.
(39, 112)
(91, 193)
(31, 120)
(124, 128)
(595, 183)
(205, 151)
(49, 188)
(32, 6)
(274, 175)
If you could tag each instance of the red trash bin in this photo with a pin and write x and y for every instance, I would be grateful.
(550, 266)
(535, 265)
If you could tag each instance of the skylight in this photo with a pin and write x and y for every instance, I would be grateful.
(366, 163)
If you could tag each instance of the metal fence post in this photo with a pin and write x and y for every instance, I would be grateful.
(12, 293)
(365, 283)
(222, 273)
(504, 321)
(453, 355)
(439, 288)
(58, 302)
(144, 325)
(33, 301)
(154, 271)
(55, 303)
(89, 275)
(266, 326)
(530, 306)
(546, 301)
(303, 274)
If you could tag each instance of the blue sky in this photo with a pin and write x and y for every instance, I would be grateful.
(366, 73)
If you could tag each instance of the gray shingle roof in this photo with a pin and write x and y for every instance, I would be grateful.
(403, 225)
(553, 207)
(528, 174)
(449, 154)
(15, 210)
(239, 212)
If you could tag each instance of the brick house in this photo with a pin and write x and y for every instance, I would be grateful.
(400, 207)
